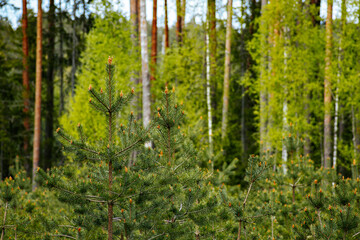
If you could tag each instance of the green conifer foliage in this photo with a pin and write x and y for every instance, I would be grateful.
(160, 193)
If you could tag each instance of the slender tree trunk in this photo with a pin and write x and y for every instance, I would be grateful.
(154, 42)
(49, 135)
(144, 64)
(227, 70)
(26, 85)
(37, 121)
(340, 58)
(212, 49)
(327, 87)
(178, 22)
(183, 11)
(73, 56)
(208, 96)
(166, 28)
(263, 99)
(134, 17)
(61, 69)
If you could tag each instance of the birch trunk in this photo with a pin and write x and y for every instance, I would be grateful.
(144, 64)
(327, 87)
(37, 120)
(25, 77)
(208, 97)
(227, 70)
(154, 42)
(339, 73)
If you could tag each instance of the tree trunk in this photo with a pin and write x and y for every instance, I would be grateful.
(208, 97)
(49, 135)
(73, 55)
(227, 70)
(37, 120)
(178, 22)
(154, 42)
(166, 28)
(340, 58)
(263, 100)
(327, 87)
(26, 85)
(212, 49)
(61, 59)
(144, 65)
(134, 17)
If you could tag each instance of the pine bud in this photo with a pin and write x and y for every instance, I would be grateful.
(126, 169)
(121, 94)
(78, 125)
(90, 87)
(132, 113)
(158, 126)
(101, 91)
(229, 204)
(348, 204)
(57, 130)
(316, 181)
(122, 210)
(158, 114)
(209, 160)
(354, 162)
(71, 141)
(110, 60)
(179, 127)
(329, 207)
(293, 226)
(189, 189)
(305, 209)
(90, 100)
(130, 201)
(340, 211)
(166, 90)
(108, 146)
(132, 91)
(79, 229)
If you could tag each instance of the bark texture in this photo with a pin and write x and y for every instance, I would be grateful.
(227, 66)
(25, 78)
(144, 64)
(154, 42)
(37, 120)
(327, 87)
(49, 121)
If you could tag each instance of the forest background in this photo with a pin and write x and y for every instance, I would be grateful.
(244, 75)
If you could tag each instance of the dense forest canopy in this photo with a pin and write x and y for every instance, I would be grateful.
(218, 98)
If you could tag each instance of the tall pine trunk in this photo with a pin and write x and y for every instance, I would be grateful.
(166, 27)
(26, 85)
(144, 64)
(73, 55)
(227, 66)
(212, 49)
(37, 120)
(49, 135)
(327, 87)
(154, 42)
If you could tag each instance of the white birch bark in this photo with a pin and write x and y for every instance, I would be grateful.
(208, 92)
(144, 65)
